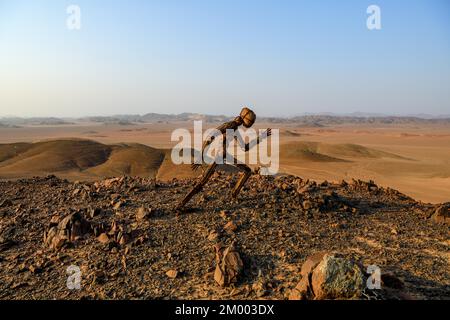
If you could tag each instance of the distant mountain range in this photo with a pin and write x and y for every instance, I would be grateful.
(314, 120)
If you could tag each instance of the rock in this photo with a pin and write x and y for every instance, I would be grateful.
(114, 227)
(54, 220)
(307, 204)
(337, 278)
(103, 238)
(140, 240)
(123, 239)
(119, 204)
(230, 227)
(22, 267)
(58, 242)
(172, 274)
(303, 289)
(35, 268)
(228, 265)
(108, 183)
(329, 276)
(69, 229)
(213, 235)
(142, 213)
(260, 287)
(442, 214)
(312, 262)
(93, 212)
(224, 214)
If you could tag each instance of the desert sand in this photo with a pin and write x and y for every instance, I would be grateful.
(412, 158)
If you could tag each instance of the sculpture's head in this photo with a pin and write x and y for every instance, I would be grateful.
(248, 117)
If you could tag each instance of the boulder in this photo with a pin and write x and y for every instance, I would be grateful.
(303, 289)
(142, 213)
(103, 238)
(329, 276)
(228, 265)
(93, 212)
(69, 229)
(337, 278)
(442, 214)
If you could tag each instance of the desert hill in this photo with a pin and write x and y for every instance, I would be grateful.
(129, 242)
(130, 159)
(325, 152)
(75, 156)
(417, 165)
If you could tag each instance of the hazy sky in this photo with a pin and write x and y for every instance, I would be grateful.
(281, 57)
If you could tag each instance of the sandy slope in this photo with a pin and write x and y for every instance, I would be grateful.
(76, 158)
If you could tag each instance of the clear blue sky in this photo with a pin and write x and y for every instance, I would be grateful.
(281, 57)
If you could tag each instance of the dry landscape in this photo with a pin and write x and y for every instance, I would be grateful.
(410, 155)
(130, 243)
(373, 193)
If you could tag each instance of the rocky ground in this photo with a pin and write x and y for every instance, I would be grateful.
(130, 243)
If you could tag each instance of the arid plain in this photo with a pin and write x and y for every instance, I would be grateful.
(412, 158)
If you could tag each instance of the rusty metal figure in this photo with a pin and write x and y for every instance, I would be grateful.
(246, 118)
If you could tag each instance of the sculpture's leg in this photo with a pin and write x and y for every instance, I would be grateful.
(199, 185)
(242, 180)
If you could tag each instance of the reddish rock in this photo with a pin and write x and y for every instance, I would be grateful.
(142, 213)
(69, 229)
(103, 238)
(230, 227)
(172, 274)
(442, 214)
(311, 262)
(228, 265)
(303, 289)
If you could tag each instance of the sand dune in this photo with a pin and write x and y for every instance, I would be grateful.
(86, 157)
(8, 151)
(409, 157)
(290, 133)
(324, 152)
(302, 151)
(57, 156)
(130, 159)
